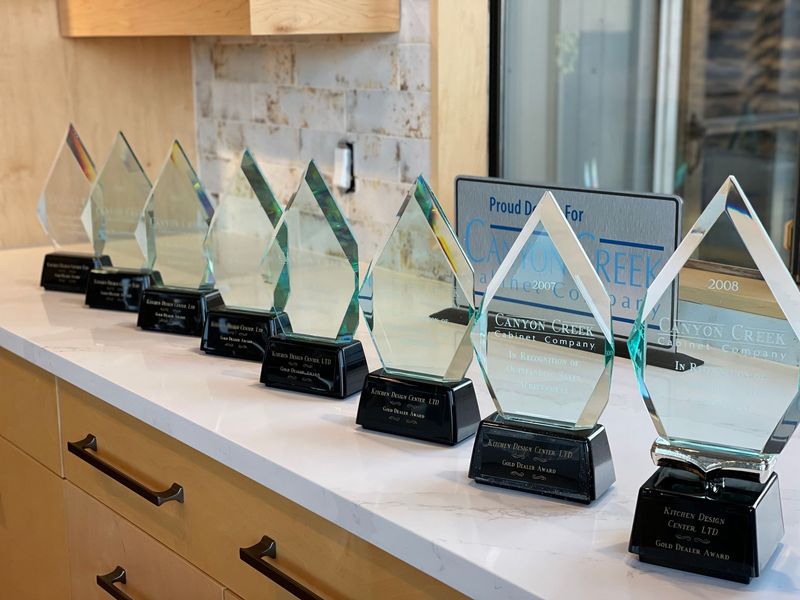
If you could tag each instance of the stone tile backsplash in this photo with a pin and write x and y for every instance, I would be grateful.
(293, 99)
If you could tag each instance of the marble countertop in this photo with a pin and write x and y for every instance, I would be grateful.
(410, 498)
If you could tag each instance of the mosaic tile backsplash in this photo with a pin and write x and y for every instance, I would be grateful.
(290, 99)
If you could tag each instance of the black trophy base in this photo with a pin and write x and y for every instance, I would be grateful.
(111, 288)
(69, 271)
(176, 310)
(434, 412)
(239, 332)
(571, 465)
(728, 528)
(316, 367)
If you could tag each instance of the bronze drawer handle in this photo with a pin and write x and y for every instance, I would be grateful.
(268, 547)
(81, 450)
(106, 583)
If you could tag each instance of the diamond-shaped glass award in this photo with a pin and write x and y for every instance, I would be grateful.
(111, 217)
(176, 217)
(317, 288)
(720, 380)
(544, 343)
(59, 210)
(236, 245)
(416, 299)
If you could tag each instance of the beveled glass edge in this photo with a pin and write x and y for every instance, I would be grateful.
(459, 363)
(81, 155)
(261, 188)
(748, 226)
(344, 235)
(446, 238)
(462, 359)
(121, 142)
(423, 195)
(333, 214)
(549, 214)
(177, 155)
(280, 293)
(264, 196)
(282, 290)
(145, 234)
(119, 147)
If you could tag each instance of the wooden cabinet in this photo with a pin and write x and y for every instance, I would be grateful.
(96, 18)
(141, 454)
(33, 537)
(180, 524)
(29, 410)
(224, 512)
(100, 541)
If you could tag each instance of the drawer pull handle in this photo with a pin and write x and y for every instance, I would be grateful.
(106, 582)
(81, 450)
(268, 547)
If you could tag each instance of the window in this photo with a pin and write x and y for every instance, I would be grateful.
(663, 96)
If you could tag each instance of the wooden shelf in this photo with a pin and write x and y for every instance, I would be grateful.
(109, 18)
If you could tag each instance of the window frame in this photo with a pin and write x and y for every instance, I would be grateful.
(495, 134)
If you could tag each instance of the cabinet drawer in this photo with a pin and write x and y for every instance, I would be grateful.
(33, 534)
(100, 541)
(29, 410)
(139, 453)
(224, 512)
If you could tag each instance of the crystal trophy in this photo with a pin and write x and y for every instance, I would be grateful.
(111, 217)
(417, 301)
(175, 220)
(236, 245)
(59, 210)
(725, 413)
(317, 288)
(544, 343)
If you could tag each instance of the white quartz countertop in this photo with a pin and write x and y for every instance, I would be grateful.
(410, 498)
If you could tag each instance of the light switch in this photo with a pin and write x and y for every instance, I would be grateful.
(343, 168)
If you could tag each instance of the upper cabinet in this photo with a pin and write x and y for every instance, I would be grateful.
(102, 18)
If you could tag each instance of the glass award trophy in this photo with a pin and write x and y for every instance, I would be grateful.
(176, 219)
(112, 217)
(236, 245)
(544, 343)
(725, 411)
(317, 288)
(59, 210)
(416, 299)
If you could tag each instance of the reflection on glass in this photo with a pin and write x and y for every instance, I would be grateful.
(733, 401)
(550, 360)
(578, 85)
(666, 97)
(741, 111)
(318, 284)
(420, 273)
(112, 215)
(66, 191)
(240, 233)
(178, 213)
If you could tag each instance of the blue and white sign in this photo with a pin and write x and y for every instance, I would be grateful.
(628, 237)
